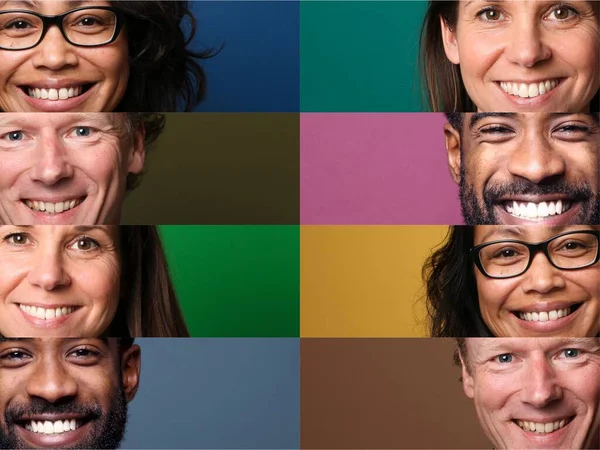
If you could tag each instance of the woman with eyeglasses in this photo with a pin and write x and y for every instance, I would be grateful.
(98, 56)
(511, 281)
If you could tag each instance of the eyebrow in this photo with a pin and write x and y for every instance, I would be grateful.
(38, 4)
(594, 115)
(6, 339)
(17, 119)
(477, 117)
(519, 231)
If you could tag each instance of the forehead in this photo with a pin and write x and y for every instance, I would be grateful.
(528, 233)
(50, 6)
(61, 120)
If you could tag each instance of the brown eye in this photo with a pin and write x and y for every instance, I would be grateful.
(492, 15)
(85, 244)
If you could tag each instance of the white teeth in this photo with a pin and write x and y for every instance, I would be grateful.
(55, 94)
(46, 314)
(541, 427)
(47, 427)
(524, 90)
(536, 211)
(52, 208)
(544, 316)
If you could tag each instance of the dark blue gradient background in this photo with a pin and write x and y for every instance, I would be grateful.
(258, 69)
(217, 393)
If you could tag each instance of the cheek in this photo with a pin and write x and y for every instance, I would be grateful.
(478, 53)
(587, 280)
(580, 51)
(100, 280)
(11, 61)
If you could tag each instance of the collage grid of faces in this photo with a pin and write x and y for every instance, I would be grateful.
(300, 224)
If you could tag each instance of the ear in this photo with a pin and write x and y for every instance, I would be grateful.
(452, 138)
(131, 363)
(467, 379)
(450, 44)
(137, 157)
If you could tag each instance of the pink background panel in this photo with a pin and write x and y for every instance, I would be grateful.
(375, 168)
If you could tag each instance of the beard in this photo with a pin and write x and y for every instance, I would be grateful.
(482, 211)
(107, 428)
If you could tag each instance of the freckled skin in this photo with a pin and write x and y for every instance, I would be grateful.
(527, 41)
(59, 376)
(542, 282)
(540, 380)
(107, 67)
(59, 265)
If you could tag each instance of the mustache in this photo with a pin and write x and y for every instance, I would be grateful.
(39, 406)
(494, 191)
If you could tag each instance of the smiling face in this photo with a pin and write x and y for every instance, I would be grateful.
(527, 55)
(527, 168)
(535, 393)
(65, 393)
(543, 301)
(71, 78)
(66, 168)
(58, 280)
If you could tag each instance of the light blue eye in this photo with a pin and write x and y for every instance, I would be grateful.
(15, 136)
(83, 131)
(505, 358)
(571, 352)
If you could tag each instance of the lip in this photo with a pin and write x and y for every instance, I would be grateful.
(57, 322)
(70, 104)
(565, 218)
(535, 102)
(63, 218)
(68, 439)
(550, 326)
(546, 306)
(546, 440)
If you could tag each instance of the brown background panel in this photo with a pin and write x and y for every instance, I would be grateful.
(384, 393)
(221, 168)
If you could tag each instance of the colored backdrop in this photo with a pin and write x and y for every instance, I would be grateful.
(375, 169)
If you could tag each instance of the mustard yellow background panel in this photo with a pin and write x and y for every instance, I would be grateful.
(364, 281)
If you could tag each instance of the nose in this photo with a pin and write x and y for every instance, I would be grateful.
(51, 380)
(52, 164)
(48, 271)
(535, 160)
(54, 52)
(542, 277)
(526, 47)
(539, 385)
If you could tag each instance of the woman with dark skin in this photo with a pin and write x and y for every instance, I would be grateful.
(514, 282)
(100, 57)
(516, 56)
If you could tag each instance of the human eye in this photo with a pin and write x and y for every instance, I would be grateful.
(573, 131)
(17, 239)
(83, 132)
(16, 23)
(490, 14)
(562, 13)
(84, 355)
(85, 244)
(14, 357)
(13, 136)
(496, 129)
(506, 254)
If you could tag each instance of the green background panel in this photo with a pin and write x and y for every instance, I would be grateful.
(236, 281)
(360, 56)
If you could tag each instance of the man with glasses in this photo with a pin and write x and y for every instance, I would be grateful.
(526, 168)
(66, 393)
(534, 393)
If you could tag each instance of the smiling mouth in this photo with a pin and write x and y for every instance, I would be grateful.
(546, 316)
(529, 90)
(543, 428)
(52, 208)
(536, 211)
(52, 427)
(47, 313)
(56, 94)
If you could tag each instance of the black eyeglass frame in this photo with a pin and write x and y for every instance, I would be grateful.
(533, 250)
(48, 21)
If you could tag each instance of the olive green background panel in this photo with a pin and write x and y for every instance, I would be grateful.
(221, 168)
(236, 281)
(360, 56)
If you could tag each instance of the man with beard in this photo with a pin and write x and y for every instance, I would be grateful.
(525, 168)
(66, 393)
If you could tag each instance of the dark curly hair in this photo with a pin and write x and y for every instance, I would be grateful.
(443, 86)
(164, 73)
(451, 289)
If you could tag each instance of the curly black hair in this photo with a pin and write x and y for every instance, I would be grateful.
(164, 73)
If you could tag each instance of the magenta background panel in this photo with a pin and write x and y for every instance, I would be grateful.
(372, 168)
